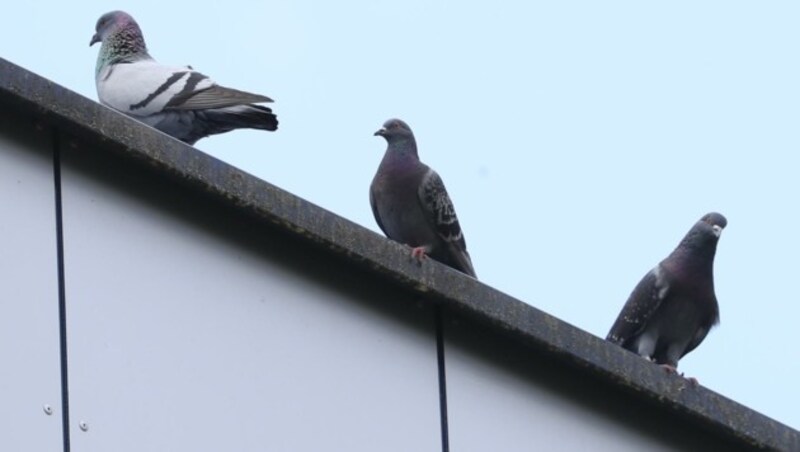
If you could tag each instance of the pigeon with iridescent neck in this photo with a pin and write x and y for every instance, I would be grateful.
(179, 101)
(674, 306)
(411, 205)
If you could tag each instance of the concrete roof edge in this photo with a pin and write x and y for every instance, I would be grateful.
(56, 106)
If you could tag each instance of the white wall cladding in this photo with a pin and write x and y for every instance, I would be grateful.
(186, 333)
(29, 328)
(495, 408)
(503, 397)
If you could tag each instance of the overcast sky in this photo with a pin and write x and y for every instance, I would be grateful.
(579, 140)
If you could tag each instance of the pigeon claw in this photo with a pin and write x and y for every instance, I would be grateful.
(669, 369)
(674, 370)
(419, 252)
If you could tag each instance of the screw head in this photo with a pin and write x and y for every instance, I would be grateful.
(48, 410)
(84, 426)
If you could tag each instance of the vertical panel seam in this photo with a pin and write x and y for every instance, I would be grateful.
(442, 377)
(62, 305)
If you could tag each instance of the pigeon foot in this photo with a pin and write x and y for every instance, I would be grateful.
(669, 369)
(673, 370)
(420, 253)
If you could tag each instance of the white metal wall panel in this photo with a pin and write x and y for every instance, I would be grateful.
(185, 334)
(498, 400)
(29, 327)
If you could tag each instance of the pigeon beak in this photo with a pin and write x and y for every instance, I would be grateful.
(381, 132)
(95, 39)
(717, 230)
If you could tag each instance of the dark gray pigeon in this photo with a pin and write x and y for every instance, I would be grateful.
(176, 100)
(674, 306)
(411, 205)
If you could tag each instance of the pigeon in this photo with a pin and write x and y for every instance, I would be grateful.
(411, 205)
(178, 101)
(674, 306)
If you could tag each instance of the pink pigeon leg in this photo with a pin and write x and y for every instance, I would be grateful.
(419, 252)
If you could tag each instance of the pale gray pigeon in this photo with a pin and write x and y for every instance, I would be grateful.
(411, 205)
(176, 100)
(674, 306)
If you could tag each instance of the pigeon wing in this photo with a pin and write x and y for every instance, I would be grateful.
(144, 88)
(643, 302)
(215, 96)
(441, 215)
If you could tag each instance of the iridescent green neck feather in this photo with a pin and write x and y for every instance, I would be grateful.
(123, 46)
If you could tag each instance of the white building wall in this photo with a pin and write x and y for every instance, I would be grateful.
(502, 397)
(29, 329)
(188, 331)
